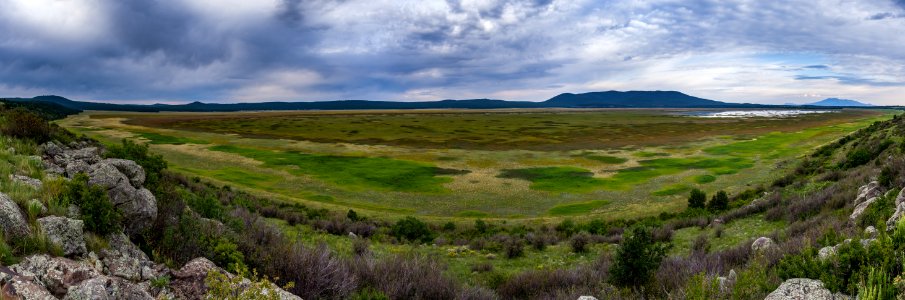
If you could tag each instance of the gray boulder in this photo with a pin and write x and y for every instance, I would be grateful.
(803, 289)
(52, 168)
(77, 166)
(90, 155)
(68, 233)
(51, 149)
(867, 191)
(132, 170)
(827, 252)
(762, 244)
(870, 232)
(106, 288)
(124, 259)
(23, 288)
(859, 210)
(32, 182)
(57, 274)
(137, 205)
(900, 211)
(188, 282)
(11, 219)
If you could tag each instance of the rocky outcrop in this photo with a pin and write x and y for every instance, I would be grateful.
(762, 245)
(15, 286)
(68, 233)
(106, 288)
(900, 211)
(11, 219)
(56, 274)
(123, 180)
(189, 282)
(124, 259)
(803, 289)
(134, 202)
(867, 191)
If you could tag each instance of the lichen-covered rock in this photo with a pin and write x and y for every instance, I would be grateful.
(57, 274)
(51, 149)
(803, 289)
(11, 219)
(900, 211)
(867, 191)
(23, 288)
(188, 282)
(66, 232)
(32, 182)
(826, 252)
(137, 205)
(77, 166)
(124, 259)
(106, 288)
(726, 283)
(90, 155)
(587, 298)
(859, 210)
(762, 244)
(870, 232)
(132, 170)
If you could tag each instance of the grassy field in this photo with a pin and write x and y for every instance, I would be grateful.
(534, 165)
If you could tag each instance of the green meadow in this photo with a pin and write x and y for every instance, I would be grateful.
(527, 165)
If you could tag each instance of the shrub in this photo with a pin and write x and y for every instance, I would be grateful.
(369, 293)
(412, 229)
(360, 247)
(482, 267)
(697, 199)
(352, 215)
(567, 227)
(449, 226)
(409, 277)
(97, 211)
(514, 247)
(580, 242)
(480, 226)
(22, 123)
(702, 287)
(222, 287)
(719, 202)
(225, 253)
(637, 258)
(153, 164)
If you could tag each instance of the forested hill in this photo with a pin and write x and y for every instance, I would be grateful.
(610, 99)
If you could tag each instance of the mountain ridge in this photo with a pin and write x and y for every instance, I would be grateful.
(839, 102)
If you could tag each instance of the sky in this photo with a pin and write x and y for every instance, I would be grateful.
(171, 51)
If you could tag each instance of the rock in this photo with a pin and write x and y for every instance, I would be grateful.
(867, 191)
(139, 206)
(826, 252)
(106, 288)
(88, 154)
(586, 298)
(866, 242)
(73, 211)
(57, 274)
(52, 168)
(23, 288)
(66, 232)
(11, 150)
(900, 211)
(726, 283)
(803, 289)
(32, 182)
(129, 168)
(188, 282)
(762, 244)
(124, 259)
(75, 167)
(51, 149)
(11, 219)
(859, 210)
(870, 231)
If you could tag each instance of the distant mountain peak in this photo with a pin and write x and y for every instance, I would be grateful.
(628, 99)
(838, 102)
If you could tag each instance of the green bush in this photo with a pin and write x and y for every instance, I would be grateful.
(97, 211)
(205, 205)
(369, 293)
(412, 229)
(153, 164)
(22, 123)
(719, 202)
(225, 253)
(637, 257)
(697, 199)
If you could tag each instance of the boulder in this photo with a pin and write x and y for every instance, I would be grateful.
(66, 232)
(762, 244)
(859, 210)
(900, 211)
(726, 283)
(803, 289)
(77, 166)
(129, 168)
(11, 219)
(870, 232)
(188, 282)
(56, 274)
(51, 149)
(587, 298)
(138, 206)
(868, 191)
(23, 288)
(32, 182)
(90, 155)
(106, 288)
(826, 252)
(52, 168)
(124, 259)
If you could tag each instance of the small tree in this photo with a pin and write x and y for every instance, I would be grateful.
(98, 213)
(697, 199)
(719, 202)
(412, 229)
(637, 258)
(24, 124)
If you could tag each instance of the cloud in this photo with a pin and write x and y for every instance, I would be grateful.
(236, 50)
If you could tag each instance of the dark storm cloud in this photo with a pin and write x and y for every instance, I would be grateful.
(231, 50)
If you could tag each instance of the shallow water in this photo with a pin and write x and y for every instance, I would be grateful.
(763, 113)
